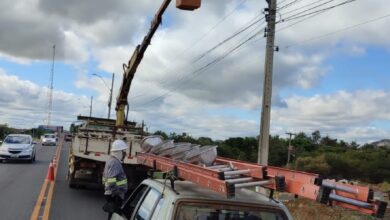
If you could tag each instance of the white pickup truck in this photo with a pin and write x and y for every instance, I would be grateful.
(156, 200)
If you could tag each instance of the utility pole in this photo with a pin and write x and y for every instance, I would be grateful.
(90, 108)
(267, 86)
(289, 147)
(110, 100)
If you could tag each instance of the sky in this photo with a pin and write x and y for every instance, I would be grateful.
(203, 72)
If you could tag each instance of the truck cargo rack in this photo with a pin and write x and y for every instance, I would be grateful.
(226, 175)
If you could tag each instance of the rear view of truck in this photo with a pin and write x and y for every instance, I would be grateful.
(90, 148)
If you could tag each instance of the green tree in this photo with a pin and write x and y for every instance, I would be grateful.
(315, 137)
(161, 133)
(313, 164)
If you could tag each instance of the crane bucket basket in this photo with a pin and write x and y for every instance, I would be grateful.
(188, 4)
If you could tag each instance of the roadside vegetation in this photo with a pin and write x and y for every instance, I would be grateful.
(327, 156)
(34, 132)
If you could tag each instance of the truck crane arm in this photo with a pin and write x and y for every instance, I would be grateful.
(131, 68)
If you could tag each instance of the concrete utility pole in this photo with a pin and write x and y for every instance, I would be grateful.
(289, 147)
(267, 87)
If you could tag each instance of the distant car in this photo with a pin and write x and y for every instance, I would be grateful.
(18, 147)
(68, 137)
(49, 139)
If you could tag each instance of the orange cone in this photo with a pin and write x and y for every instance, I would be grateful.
(50, 172)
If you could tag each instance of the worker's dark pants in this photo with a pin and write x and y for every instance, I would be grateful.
(112, 205)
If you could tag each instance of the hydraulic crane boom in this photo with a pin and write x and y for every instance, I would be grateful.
(135, 60)
(131, 67)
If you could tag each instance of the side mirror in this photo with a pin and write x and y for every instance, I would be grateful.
(34, 142)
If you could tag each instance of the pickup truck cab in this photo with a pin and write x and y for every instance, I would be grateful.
(156, 200)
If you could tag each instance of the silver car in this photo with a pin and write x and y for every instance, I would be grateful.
(49, 139)
(18, 147)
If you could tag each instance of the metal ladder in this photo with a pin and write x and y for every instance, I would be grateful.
(227, 175)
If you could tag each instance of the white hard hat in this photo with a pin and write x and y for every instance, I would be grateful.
(118, 145)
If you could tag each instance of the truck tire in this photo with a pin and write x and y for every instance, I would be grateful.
(71, 182)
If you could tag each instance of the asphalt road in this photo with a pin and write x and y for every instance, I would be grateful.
(20, 184)
(74, 204)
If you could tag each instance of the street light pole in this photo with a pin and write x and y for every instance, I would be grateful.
(90, 108)
(110, 90)
(110, 100)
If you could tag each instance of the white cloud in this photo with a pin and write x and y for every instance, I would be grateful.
(345, 115)
(24, 104)
(107, 36)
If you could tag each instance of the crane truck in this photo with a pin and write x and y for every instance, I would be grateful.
(92, 139)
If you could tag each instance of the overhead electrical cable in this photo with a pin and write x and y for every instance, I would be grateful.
(302, 7)
(246, 27)
(289, 4)
(202, 70)
(312, 14)
(205, 34)
(300, 14)
(227, 39)
(339, 31)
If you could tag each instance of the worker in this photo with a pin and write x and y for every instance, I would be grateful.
(114, 178)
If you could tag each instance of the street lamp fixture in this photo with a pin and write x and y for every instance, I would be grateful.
(110, 90)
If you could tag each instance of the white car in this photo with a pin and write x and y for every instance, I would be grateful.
(49, 139)
(18, 147)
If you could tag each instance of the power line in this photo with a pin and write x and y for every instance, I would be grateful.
(304, 6)
(289, 4)
(300, 14)
(227, 39)
(281, 2)
(339, 31)
(202, 70)
(247, 26)
(216, 25)
(202, 37)
(313, 14)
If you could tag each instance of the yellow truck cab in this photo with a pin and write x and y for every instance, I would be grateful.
(157, 200)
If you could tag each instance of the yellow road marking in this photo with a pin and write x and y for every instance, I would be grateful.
(38, 204)
(49, 197)
(46, 211)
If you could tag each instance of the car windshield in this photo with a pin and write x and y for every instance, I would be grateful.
(190, 211)
(17, 140)
(49, 136)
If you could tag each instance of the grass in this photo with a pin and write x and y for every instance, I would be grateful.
(304, 209)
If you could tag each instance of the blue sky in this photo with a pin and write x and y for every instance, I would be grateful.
(337, 84)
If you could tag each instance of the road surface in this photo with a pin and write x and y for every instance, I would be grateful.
(74, 204)
(21, 184)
